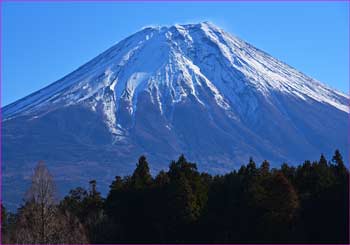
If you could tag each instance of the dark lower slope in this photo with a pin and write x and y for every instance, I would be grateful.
(77, 145)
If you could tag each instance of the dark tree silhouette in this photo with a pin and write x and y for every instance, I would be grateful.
(303, 204)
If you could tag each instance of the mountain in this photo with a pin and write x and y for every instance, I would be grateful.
(191, 89)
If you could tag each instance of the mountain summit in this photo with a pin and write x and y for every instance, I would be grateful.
(192, 89)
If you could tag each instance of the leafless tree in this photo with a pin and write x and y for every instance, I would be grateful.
(40, 221)
(42, 194)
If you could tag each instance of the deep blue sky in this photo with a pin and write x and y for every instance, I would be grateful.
(42, 42)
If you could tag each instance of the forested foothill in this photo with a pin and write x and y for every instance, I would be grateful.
(308, 203)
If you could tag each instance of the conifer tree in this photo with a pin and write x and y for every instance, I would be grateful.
(141, 177)
(286, 204)
(288, 172)
(162, 179)
(265, 168)
(117, 184)
(251, 168)
(74, 203)
(340, 168)
(323, 161)
(281, 204)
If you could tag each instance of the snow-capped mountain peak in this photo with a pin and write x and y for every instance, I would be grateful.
(190, 89)
(176, 62)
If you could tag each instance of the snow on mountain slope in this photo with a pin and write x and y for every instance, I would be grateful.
(179, 59)
(191, 89)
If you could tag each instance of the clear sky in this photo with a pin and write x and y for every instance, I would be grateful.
(43, 41)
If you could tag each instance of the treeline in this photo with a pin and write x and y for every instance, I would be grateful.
(256, 204)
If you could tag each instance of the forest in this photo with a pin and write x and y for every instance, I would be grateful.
(308, 203)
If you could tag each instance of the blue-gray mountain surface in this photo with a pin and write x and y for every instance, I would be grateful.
(191, 89)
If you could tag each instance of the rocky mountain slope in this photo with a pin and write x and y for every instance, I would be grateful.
(191, 89)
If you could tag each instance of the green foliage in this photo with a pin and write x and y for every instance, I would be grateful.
(141, 177)
(88, 207)
(304, 204)
(253, 204)
(74, 202)
(188, 193)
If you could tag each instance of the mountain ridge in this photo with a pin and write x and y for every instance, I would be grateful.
(203, 25)
(164, 91)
